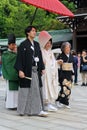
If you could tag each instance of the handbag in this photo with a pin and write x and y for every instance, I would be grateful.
(67, 66)
(84, 68)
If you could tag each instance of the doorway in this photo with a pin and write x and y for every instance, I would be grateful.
(81, 43)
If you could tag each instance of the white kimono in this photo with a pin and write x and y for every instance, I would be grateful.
(50, 78)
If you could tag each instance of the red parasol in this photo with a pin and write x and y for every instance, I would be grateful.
(54, 6)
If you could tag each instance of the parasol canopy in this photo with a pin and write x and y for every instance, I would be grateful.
(54, 6)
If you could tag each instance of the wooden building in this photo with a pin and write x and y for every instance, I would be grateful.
(78, 25)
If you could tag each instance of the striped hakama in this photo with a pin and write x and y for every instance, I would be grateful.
(29, 99)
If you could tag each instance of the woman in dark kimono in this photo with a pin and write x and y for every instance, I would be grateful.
(65, 60)
(29, 65)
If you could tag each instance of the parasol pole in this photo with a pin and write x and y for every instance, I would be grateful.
(33, 16)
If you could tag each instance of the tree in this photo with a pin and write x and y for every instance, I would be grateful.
(15, 16)
(70, 5)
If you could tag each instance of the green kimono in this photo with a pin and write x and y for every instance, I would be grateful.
(8, 70)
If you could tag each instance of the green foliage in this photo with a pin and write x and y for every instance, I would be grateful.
(69, 5)
(15, 16)
(12, 18)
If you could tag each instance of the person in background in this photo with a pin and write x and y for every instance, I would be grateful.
(50, 78)
(10, 74)
(83, 72)
(30, 67)
(79, 59)
(65, 60)
(75, 66)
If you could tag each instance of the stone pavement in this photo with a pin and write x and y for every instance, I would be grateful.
(64, 119)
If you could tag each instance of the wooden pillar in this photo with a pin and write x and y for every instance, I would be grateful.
(74, 45)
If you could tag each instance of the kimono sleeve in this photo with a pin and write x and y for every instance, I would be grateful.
(19, 60)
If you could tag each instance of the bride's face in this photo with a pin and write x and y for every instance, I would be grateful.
(48, 45)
